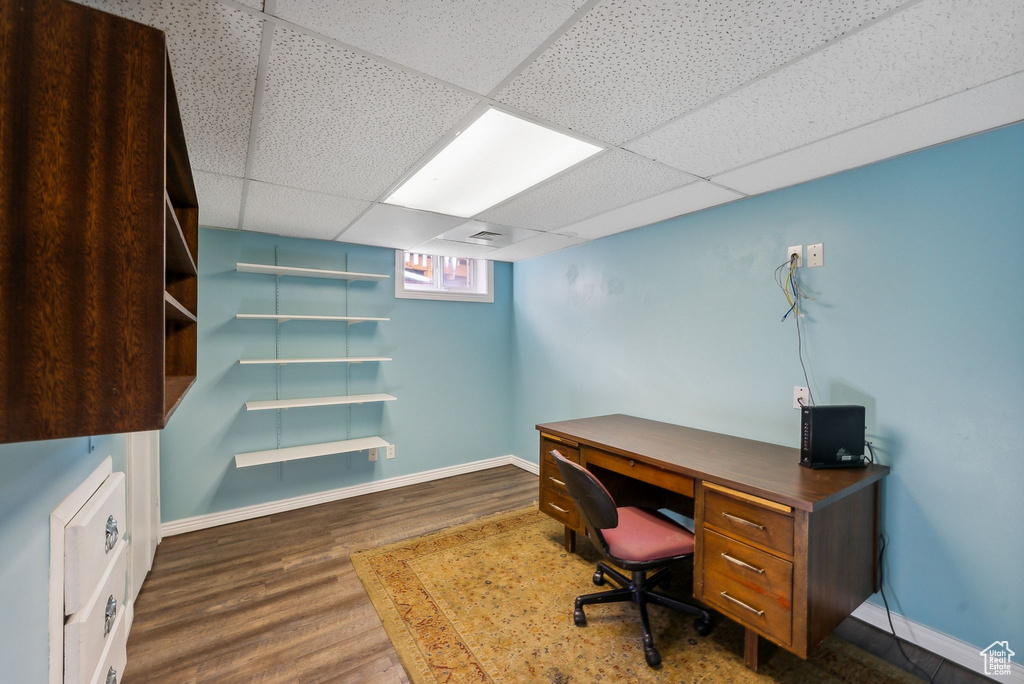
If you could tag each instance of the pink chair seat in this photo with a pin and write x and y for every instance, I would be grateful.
(645, 536)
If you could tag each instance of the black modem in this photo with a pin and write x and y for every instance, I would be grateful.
(832, 437)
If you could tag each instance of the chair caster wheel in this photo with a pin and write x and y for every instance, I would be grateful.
(579, 618)
(652, 656)
(598, 578)
(703, 626)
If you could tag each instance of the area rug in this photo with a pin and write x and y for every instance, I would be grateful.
(491, 601)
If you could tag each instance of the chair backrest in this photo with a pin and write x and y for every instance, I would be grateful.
(596, 505)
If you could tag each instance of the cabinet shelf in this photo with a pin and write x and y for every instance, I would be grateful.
(281, 318)
(296, 453)
(279, 271)
(175, 387)
(179, 258)
(336, 359)
(175, 311)
(317, 401)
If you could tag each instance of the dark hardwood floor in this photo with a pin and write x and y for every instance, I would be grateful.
(275, 599)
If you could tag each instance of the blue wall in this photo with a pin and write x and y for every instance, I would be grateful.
(450, 372)
(34, 478)
(919, 317)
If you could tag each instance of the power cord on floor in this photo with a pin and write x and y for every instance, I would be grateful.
(888, 613)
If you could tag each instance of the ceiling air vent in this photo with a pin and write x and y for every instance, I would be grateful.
(485, 235)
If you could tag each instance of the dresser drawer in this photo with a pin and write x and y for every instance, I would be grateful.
(747, 604)
(659, 477)
(559, 506)
(771, 576)
(745, 518)
(90, 539)
(88, 631)
(115, 654)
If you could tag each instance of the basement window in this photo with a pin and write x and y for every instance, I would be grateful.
(435, 276)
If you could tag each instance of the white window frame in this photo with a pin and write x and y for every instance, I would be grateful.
(484, 272)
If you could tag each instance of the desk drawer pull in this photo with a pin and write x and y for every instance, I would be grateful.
(558, 508)
(742, 521)
(737, 561)
(743, 605)
(556, 481)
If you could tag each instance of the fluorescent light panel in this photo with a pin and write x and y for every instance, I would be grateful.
(497, 156)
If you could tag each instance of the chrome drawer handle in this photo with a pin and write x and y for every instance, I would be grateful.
(556, 481)
(737, 561)
(112, 535)
(109, 614)
(558, 508)
(742, 521)
(743, 605)
(111, 676)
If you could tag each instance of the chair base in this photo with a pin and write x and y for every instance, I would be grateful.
(641, 591)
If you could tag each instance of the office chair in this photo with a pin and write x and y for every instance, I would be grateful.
(636, 540)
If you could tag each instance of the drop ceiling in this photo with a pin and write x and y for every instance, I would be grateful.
(301, 116)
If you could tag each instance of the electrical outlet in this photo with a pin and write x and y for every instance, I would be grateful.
(801, 397)
(391, 450)
(373, 454)
(815, 255)
(799, 251)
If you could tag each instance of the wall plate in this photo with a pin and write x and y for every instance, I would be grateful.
(799, 251)
(801, 394)
(816, 255)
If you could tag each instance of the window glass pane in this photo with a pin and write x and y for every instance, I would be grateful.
(456, 273)
(419, 270)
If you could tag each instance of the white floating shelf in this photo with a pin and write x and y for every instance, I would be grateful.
(279, 271)
(281, 318)
(339, 359)
(317, 401)
(296, 453)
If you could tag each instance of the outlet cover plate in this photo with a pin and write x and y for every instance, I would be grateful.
(801, 394)
(373, 453)
(391, 451)
(799, 251)
(816, 255)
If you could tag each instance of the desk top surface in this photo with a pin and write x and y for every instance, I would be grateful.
(760, 468)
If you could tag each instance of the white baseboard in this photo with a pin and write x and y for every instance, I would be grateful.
(943, 645)
(201, 522)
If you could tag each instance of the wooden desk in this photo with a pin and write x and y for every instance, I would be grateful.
(786, 551)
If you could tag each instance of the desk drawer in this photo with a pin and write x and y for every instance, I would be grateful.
(749, 606)
(770, 576)
(680, 484)
(90, 539)
(569, 449)
(551, 478)
(115, 654)
(559, 506)
(747, 520)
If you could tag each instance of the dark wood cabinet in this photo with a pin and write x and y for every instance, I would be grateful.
(98, 226)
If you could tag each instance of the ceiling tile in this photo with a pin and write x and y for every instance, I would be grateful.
(970, 111)
(255, 4)
(297, 213)
(611, 180)
(627, 67)
(535, 246)
(454, 249)
(337, 122)
(385, 225)
(926, 52)
(220, 199)
(506, 235)
(214, 54)
(684, 200)
(474, 45)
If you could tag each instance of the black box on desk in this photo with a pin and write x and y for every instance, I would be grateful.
(832, 437)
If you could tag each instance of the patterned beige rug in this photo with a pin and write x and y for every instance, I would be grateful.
(491, 601)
